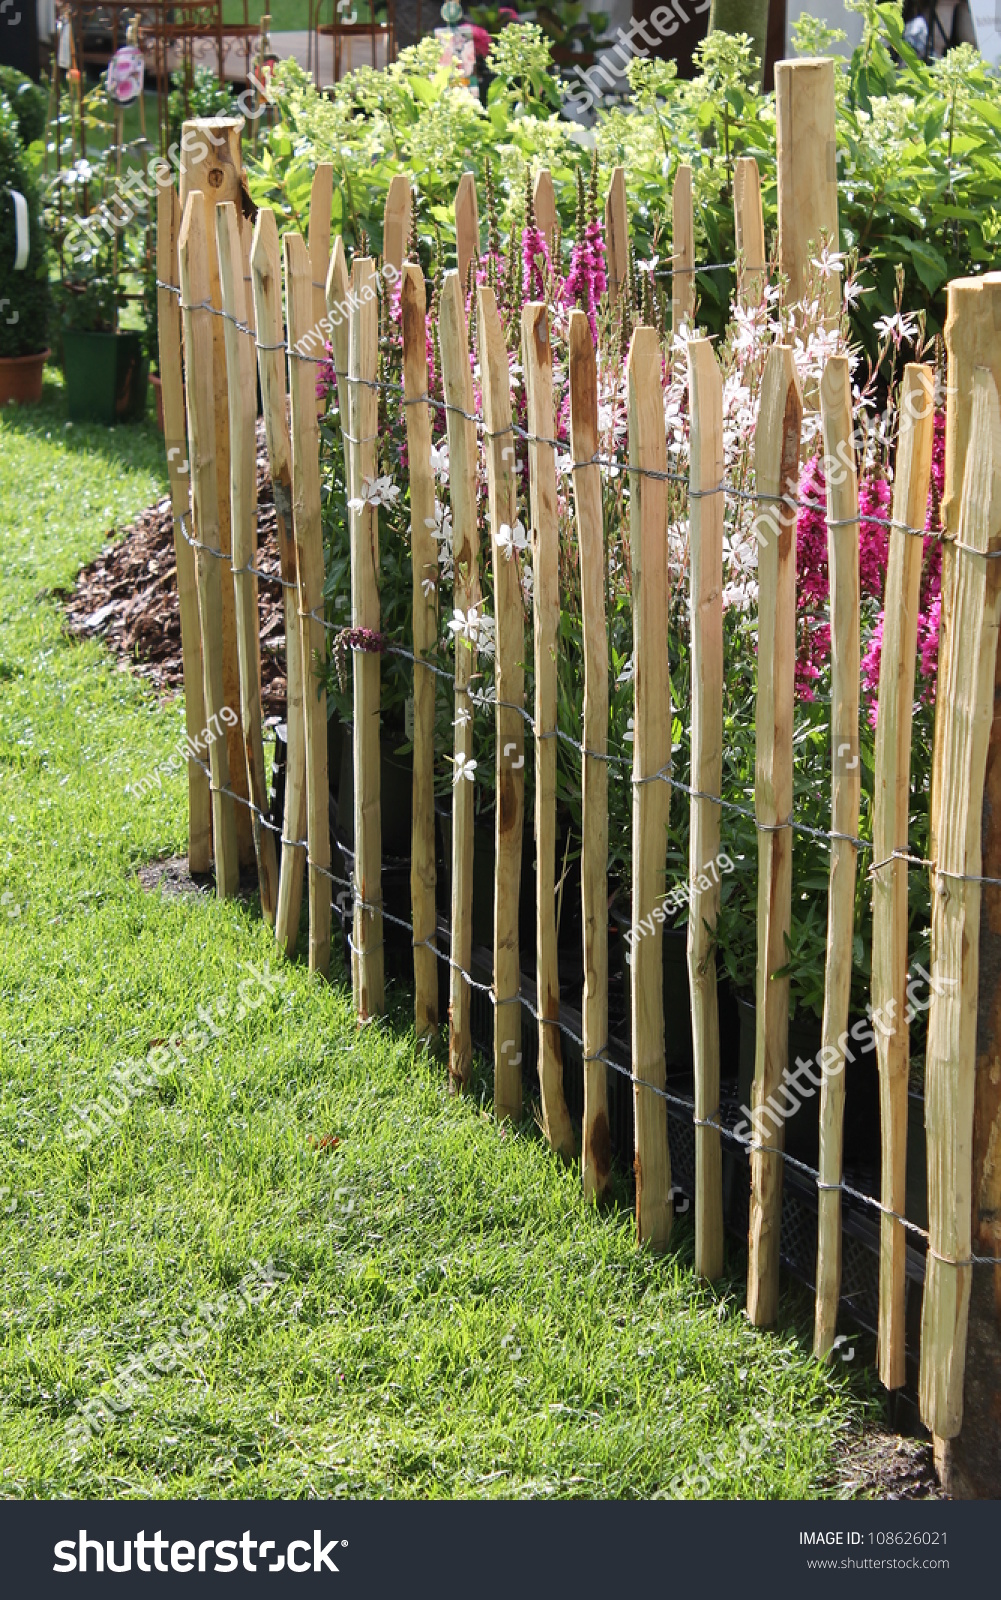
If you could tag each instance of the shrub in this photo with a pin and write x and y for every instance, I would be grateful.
(28, 101)
(24, 296)
(204, 97)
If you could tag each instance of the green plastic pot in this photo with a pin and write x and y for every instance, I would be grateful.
(107, 377)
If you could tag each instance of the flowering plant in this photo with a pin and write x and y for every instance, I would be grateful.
(520, 262)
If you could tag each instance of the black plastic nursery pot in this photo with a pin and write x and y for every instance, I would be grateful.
(802, 1127)
(396, 778)
(107, 377)
(678, 1047)
(484, 861)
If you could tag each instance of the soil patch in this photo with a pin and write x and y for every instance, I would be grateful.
(879, 1465)
(172, 877)
(128, 597)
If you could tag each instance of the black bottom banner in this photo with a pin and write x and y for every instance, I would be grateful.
(488, 1548)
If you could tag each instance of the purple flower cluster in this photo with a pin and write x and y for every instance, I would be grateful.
(535, 262)
(930, 604)
(587, 280)
(812, 573)
(325, 374)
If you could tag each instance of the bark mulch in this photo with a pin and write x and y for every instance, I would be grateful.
(128, 598)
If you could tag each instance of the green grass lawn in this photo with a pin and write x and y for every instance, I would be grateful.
(439, 1312)
(286, 15)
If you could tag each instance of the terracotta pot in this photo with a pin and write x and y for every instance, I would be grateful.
(157, 388)
(21, 377)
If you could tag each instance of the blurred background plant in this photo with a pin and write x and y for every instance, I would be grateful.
(25, 294)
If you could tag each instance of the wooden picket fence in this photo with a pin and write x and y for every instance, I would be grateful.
(206, 261)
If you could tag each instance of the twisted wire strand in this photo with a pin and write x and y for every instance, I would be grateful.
(618, 463)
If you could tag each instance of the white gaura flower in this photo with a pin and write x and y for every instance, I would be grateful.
(901, 328)
(430, 586)
(740, 596)
(465, 767)
(463, 717)
(474, 627)
(439, 462)
(629, 734)
(461, 623)
(829, 262)
(483, 634)
(375, 492)
(648, 266)
(679, 340)
(511, 539)
(440, 525)
(564, 463)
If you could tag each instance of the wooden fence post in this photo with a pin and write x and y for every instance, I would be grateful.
(211, 166)
(241, 374)
(807, 175)
(246, 245)
(320, 207)
(968, 1464)
(537, 362)
(510, 683)
(891, 809)
(596, 1143)
(706, 510)
(682, 249)
(267, 284)
(467, 227)
(338, 307)
(321, 196)
(309, 567)
(193, 260)
(367, 964)
(424, 561)
(168, 222)
(843, 564)
(965, 705)
(749, 228)
(616, 234)
(544, 205)
(651, 789)
(776, 474)
(972, 320)
(457, 382)
(396, 222)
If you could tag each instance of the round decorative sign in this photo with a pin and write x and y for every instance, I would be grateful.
(126, 71)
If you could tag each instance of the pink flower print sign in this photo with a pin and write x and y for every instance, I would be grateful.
(126, 71)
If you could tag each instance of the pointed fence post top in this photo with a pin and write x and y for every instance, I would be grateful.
(264, 248)
(705, 385)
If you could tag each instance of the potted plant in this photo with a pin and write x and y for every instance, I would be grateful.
(106, 367)
(24, 270)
